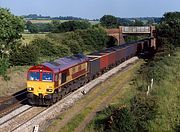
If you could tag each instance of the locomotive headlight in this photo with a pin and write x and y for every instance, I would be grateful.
(49, 90)
(30, 89)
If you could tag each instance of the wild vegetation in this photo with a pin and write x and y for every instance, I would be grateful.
(156, 109)
(10, 29)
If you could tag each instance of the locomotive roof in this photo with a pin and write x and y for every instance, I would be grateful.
(65, 62)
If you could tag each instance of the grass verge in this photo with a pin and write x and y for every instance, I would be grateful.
(168, 93)
(108, 92)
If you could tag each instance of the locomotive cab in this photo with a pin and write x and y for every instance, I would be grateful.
(40, 82)
(48, 82)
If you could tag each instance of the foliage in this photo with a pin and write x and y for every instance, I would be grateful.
(32, 28)
(10, 28)
(87, 40)
(137, 23)
(49, 49)
(4, 65)
(144, 108)
(24, 55)
(167, 42)
(74, 42)
(120, 120)
(109, 21)
(73, 25)
(45, 47)
(55, 24)
(169, 29)
(124, 21)
(39, 27)
(93, 39)
(114, 118)
(102, 116)
(40, 17)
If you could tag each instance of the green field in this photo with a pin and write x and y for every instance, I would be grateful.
(27, 38)
(49, 21)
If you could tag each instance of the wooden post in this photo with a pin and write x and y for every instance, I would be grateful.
(147, 93)
(152, 82)
(36, 128)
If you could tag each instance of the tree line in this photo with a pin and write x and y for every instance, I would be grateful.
(40, 17)
(107, 21)
(66, 39)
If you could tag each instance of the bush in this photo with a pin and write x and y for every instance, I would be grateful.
(109, 21)
(114, 118)
(73, 45)
(4, 64)
(74, 42)
(101, 118)
(24, 55)
(143, 108)
(87, 40)
(45, 47)
(48, 49)
(94, 39)
(62, 50)
(120, 120)
(32, 28)
(73, 25)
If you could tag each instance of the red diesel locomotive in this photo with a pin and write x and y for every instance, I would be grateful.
(50, 81)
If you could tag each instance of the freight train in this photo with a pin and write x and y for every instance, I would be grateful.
(50, 81)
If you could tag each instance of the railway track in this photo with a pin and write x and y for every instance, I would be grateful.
(10, 103)
(20, 116)
(18, 119)
(23, 117)
(50, 113)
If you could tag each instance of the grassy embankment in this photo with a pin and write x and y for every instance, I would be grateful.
(167, 92)
(27, 38)
(116, 90)
(17, 80)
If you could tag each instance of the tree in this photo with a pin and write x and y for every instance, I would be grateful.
(47, 48)
(137, 23)
(10, 28)
(32, 28)
(24, 55)
(93, 39)
(74, 42)
(55, 24)
(170, 28)
(109, 21)
(73, 25)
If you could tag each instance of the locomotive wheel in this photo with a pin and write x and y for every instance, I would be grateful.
(54, 97)
(31, 101)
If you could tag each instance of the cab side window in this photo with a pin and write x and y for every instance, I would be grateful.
(63, 77)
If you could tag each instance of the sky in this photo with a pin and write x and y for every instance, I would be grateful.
(92, 9)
